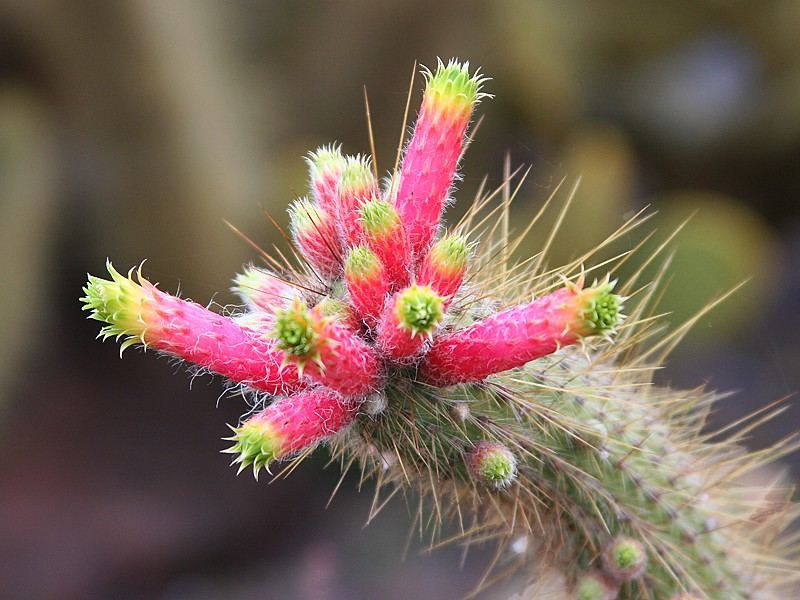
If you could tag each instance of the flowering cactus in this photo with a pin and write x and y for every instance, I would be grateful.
(510, 397)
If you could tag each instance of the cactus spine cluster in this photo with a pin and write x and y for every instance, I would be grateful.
(510, 397)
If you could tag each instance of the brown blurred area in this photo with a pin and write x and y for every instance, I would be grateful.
(130, 130)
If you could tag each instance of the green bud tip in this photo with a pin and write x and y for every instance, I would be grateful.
(601, 310)
(326, 159)
(378, 216)
(117, 302)
(452, 82)
(247, 281)
(294, 330)
(626, 559)
(357, 173)
(493, 464)
(595, 586)
(305, 215)
(256, 443)
(451, 251)
(419, 309)
(362, 263)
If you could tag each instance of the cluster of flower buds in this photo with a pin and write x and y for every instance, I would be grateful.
(389, 278)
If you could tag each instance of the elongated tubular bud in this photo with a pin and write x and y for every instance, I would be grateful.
(325, 166)
(385, 236)
(314, 232)
(262, 290)
(142, 314)
(367, 283)
(431, 158)
(444, 266)
(595, 586)
(519, 335)
(408, 319)
(625, 559)
(327, 351)
(356, 187)
(290, 425)
(492, 464)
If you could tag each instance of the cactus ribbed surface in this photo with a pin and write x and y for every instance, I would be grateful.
(513, 398)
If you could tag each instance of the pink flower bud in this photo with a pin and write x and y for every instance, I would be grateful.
(519, 335)
(290, 425)
(431, 158)
(142, 314)
(356, 187)
(367, 283)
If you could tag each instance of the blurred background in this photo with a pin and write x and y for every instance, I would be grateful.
(131, 129)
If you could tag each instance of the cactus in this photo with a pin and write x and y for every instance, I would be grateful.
(511, 397)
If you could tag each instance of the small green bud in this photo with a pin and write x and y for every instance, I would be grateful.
(625, 559)
(451, 252)
(595, 586)
(492, 464)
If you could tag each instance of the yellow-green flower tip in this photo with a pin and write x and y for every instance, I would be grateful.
(326, 159)
(419, 309)
(117, 302)
(255, 443)
(362, 263)
(378, 217)
(600, 311)
(295, 331)
(453, 85)
(357, 174)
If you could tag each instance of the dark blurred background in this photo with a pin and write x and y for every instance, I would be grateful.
(132, 129)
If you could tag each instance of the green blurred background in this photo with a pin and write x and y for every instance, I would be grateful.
(132, 129)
